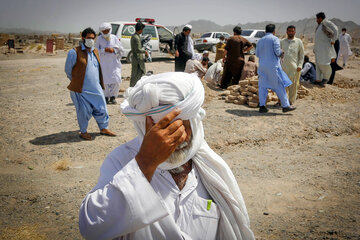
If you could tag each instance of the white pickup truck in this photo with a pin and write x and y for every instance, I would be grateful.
(161, 42)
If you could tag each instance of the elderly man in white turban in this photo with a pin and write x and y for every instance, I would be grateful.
(111, 51)
(166, 183)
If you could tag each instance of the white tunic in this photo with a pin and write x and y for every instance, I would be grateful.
(110, 62)
(125, 205)
(323, 49)
(345, 40)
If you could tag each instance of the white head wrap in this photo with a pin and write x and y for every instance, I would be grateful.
(105, 26)
(158, 95)
(188, 25)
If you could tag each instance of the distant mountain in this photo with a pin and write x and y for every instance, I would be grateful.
(305, 26)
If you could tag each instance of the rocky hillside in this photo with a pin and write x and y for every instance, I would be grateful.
(305, 26)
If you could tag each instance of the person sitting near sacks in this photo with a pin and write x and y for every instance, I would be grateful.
(196, 66)
(250, 69)
(308, 72)
(214, 73)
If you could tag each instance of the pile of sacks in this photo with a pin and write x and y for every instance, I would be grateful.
(246, 93)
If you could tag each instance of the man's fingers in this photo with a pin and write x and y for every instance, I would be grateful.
(149, 124)
(164, 122)
(174, 126)
(181, 139)
(178, 133)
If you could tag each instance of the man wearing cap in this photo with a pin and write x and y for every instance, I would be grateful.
(111, 51)
(345, 50)
(200, 67)
(180, 189)
(182, 52)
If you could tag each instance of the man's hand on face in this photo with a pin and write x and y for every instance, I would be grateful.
(160, 141)
(109, 50)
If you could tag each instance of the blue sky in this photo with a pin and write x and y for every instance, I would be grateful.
(74, 15)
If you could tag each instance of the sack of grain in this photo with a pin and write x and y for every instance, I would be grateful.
(225, 93)
(234, 93)
(253, 104)
(243, 83)
(252, 89)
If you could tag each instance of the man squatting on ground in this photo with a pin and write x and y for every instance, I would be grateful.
(111, 51)
(166, 183)
(271, 75)
(86, 86)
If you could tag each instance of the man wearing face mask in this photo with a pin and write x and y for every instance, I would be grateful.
(166, 183)
(345, 50)
(86, 86)
(111, 51)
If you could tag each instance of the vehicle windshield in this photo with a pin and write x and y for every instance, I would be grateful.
(206, 35)
(115, 28)
(246, 33)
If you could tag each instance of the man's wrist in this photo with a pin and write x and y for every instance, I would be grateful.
(145, 166)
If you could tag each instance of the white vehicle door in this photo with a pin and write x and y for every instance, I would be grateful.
(125, 36)
(166, 39)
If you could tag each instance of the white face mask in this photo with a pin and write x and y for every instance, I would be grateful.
(90, 43)
(222, 41)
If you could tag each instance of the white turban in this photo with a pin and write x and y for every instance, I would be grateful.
(188, 26)
(105, 26)
(158, 95)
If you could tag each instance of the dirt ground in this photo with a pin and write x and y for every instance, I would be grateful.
(299, 172)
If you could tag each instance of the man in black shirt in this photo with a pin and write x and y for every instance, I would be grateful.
(182, 53)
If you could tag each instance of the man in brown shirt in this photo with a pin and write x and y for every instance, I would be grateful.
(234, 58)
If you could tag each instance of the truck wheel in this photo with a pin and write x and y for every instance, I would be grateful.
(129, 57)
(213, 48)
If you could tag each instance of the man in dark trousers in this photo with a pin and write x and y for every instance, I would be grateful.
(334, 66)
(138, 61)
(182, 54)
(234, 58)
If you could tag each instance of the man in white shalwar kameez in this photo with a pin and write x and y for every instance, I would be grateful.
(111, 51)
(166, 183)
(325, 37)
(293, 60)
(345, 50)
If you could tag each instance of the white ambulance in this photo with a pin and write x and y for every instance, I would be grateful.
(162, 39)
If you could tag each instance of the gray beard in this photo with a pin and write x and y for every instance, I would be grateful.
(181, 152)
